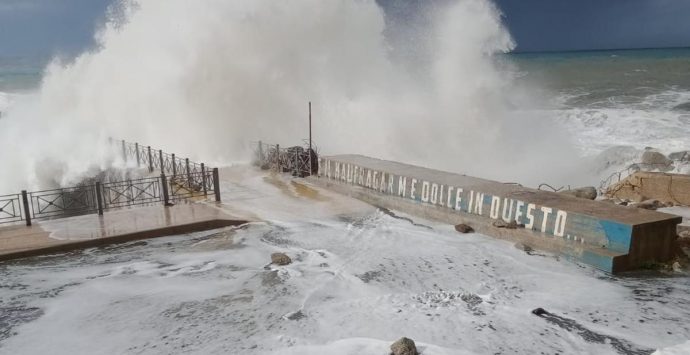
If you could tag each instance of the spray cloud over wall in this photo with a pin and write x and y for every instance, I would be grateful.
(204, 78)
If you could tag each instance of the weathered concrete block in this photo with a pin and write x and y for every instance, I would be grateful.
(641, 186)
(610, 237)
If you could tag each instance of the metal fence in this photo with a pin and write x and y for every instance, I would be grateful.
(157, 160)
(184, 180)
(298, 160)
(10, 209)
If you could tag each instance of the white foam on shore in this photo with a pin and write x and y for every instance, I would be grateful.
(680, 349)
(5, 101)
(359, 280)
(359, 346)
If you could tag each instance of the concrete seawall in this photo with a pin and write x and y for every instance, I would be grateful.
(609, 237)
(87, 231)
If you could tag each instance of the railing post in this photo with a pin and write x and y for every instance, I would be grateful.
(297, 168)
(136, 146)
(216, 184)
(164, 186)
(174, 166)
(276, 164)
(261, 154)
(311, 169)
(189, 173)
(124, 151)
(150, 160)
(99, 198)
(203, 179)
(27, 210)
(160, 157)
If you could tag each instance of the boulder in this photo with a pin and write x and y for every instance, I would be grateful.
(280, 259)
(654, 160)
(650, 204)
(680, 156)
(463, 228)
(404, 346)
(588, 192)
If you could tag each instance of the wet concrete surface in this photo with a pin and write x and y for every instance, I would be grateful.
(116, 226)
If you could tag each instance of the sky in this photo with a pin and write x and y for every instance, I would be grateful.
(49, 27)
(556, 25)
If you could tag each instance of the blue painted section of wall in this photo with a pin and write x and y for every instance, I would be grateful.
(600, 261)
(619, 235)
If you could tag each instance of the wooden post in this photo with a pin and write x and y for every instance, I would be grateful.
(27, 209)
(124, 151)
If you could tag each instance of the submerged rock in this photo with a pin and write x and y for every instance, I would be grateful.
(588, 192)
(463, 228)
(280, 259)
(539, 311)
(682, 107)
(680, 156)
(524, 247)
(404, 346)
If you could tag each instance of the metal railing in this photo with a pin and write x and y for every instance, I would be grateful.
(10, 209)
(298, 160)
(616, 177)
(157, 160)
(131, 192)
(63, 202)
(186, 180)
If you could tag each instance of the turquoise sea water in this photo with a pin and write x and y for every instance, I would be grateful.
(21, 73)
(596, 79)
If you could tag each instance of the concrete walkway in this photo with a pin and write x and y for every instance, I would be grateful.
(65, 234)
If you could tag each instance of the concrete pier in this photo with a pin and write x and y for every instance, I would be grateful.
(125, 225)
(609, 237)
